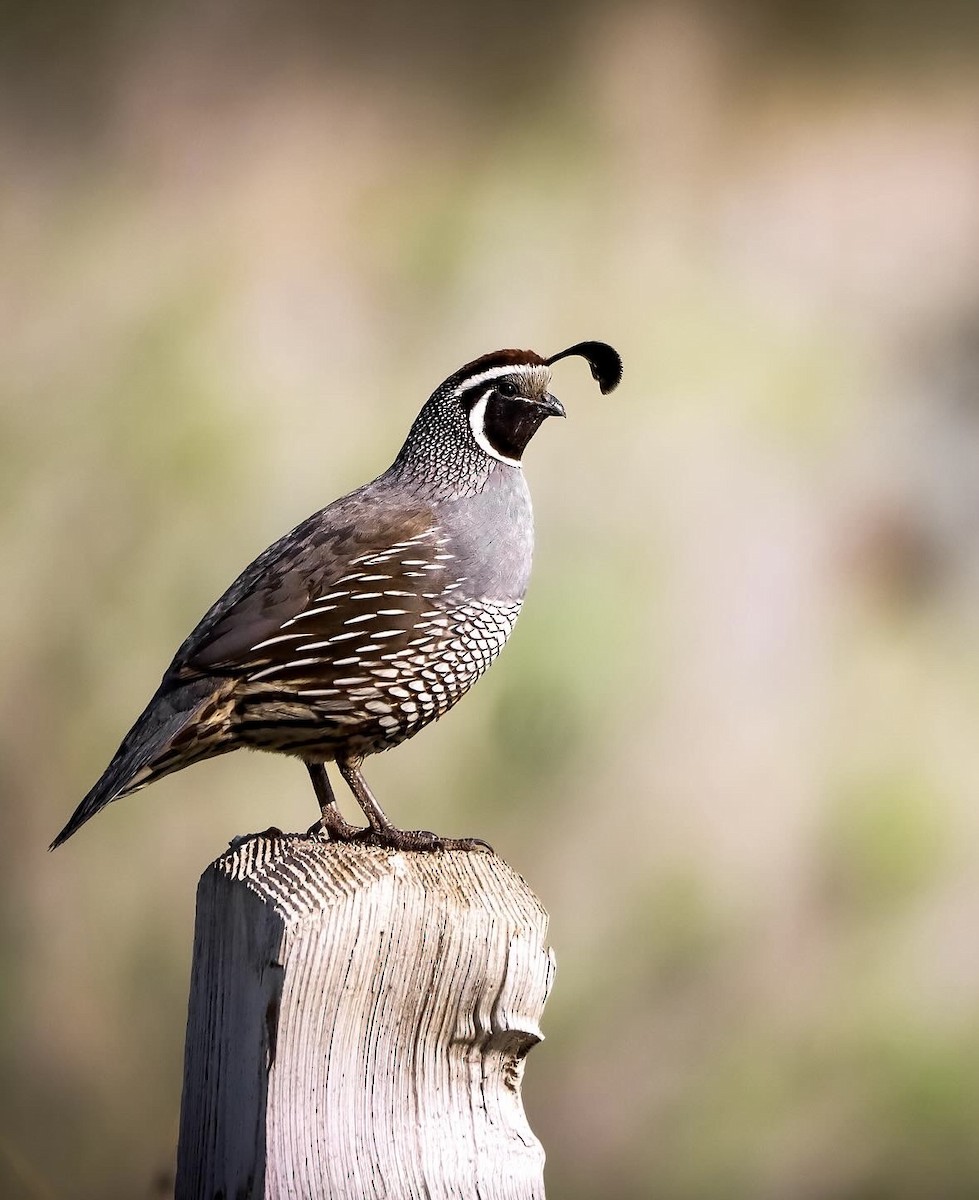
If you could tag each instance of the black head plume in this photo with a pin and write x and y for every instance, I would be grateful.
(605, 364)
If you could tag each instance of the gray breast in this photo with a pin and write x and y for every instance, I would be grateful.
(491, 534)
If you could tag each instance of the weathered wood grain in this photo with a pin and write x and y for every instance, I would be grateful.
(358, 1023)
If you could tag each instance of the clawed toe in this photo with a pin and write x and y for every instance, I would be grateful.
(417, 839)
(467, 844)
(399, 839)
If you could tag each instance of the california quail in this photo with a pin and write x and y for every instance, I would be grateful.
(371, 618)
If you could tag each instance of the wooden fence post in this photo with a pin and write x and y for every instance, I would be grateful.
(357, 1026)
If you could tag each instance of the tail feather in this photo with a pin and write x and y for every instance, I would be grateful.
(174, 730)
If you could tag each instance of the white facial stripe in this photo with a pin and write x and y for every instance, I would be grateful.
(497, 373)
(477, 416)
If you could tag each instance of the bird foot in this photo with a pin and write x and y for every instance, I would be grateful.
(417, 839)
(336, 829)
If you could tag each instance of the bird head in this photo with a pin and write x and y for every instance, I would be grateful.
(500, 400)
(486, 413)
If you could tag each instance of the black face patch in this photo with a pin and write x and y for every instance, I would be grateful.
(510, 423)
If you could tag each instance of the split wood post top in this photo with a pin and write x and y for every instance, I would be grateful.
(358, 1023)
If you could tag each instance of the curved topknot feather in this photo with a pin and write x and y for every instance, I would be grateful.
(605, 363)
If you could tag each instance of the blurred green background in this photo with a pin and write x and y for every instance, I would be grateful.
(733, 743)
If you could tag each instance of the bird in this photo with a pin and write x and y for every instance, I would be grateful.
(374, 616)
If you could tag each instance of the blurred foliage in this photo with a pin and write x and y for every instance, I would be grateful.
(732, 743)
(886, 844)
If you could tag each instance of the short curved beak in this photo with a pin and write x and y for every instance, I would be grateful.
(552, 406)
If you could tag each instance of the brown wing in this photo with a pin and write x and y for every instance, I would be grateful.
(353, 581)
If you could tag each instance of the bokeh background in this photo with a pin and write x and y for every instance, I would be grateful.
(733, 743)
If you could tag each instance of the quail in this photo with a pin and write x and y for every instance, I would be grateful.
(373, 617)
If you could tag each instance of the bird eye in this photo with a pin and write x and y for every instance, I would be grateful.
(507, 389)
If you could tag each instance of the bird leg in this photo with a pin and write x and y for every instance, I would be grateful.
(331, 820)
(383, 833)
